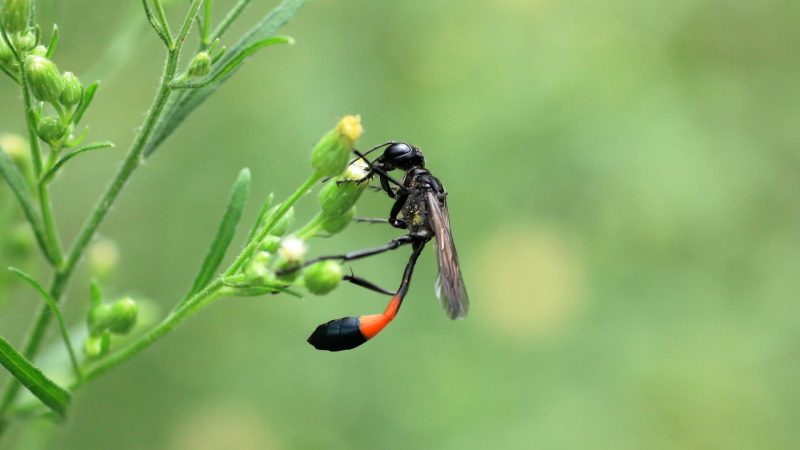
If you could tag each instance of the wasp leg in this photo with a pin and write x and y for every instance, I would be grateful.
(358, 281)
(370, 220)
(381, 172)
(392, 245)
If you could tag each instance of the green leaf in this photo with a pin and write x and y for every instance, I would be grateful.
(45, 389)
(225, 232)
(86, 148)
(260, 218)
(56, 312)
(51, 47)
(186, 102)
(221, 70)
(88, 96)
(18, 185)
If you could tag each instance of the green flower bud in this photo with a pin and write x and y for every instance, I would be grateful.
(96, 346)
(15, 15)
(330, 155)
(45, 79)
(200, 65)
(282, 226)
(291, 254)
(50, 129)
(26, 42)
(322, 277)
(73, 90)
(257, 269)
(338, 196)
(39, 50)
(6, 55)
(122, 316)
(98, 319)
(270, 244)
(336, 223)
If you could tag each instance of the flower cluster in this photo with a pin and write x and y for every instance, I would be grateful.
(279, 261)
(29, 62)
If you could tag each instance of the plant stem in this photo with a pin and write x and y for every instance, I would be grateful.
(228, 20)
(63, 275)
(50, 230)
(253, 244)
(195, 303)
(28, 103)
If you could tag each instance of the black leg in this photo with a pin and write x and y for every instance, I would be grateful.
(379, 171)
(396, 208)
(358, 281)
(370, 220)
(393, 244)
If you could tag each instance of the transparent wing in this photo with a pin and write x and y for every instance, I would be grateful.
(449, 285)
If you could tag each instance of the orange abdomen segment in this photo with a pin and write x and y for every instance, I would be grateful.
(373, 324)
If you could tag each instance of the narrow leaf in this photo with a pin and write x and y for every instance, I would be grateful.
(225, 232)
(187, 101)
(45, 389)
(86, 148)
(260, 219)
(18, 185)
(88, 96)
(51, 47)
(221, 70)
(56, 312)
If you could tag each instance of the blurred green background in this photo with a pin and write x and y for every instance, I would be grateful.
(623, 180)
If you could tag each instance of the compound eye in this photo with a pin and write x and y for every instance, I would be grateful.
(397, 151)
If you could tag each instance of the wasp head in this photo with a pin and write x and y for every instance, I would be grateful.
(402, 156)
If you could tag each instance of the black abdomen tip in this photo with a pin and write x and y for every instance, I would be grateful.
(337, 335)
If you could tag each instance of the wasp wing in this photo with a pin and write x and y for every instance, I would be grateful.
(449, 284)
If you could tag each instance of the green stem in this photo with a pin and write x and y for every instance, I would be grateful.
(28, 103)
(310, 229)
(194, 304)
(62, 276)
(50, 229)
(253, 244)
(206, 296)
(229, 18)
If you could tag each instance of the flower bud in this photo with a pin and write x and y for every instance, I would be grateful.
(26, 42)
(337, 223)
(122, 316)
(98, 318)
(39, 50)
(257, 268)
(50, 129)
(6, 55)
(73, 90)
(15, 15)
(282, 226)
(270, 244)
(45, 79)
(292, 249)
(291, 255)
(200, 65)
(96, 346)
(339, 196)
(322, 277)
(330, 155)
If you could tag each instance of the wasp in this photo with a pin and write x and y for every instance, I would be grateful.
(420, 208)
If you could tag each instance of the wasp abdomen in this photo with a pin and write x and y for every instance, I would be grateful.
(337, 335)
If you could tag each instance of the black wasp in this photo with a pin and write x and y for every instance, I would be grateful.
(420, 208)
